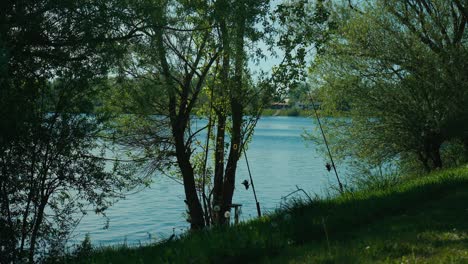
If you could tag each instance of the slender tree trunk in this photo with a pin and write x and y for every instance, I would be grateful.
(30, 196)
(436, 158)
(425, 162)
(219, 166)
(432, 151)
(37, 224)
(183, 153)
(179, 122)
(236, 109)
(218, 188)
(8, 239)
(234, 154)
(183, 160)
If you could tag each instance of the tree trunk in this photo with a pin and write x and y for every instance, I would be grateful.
(7, 229)
(195, 209)
(425, 162)
(236, 110)
(219, 166)
(179, 123)
(234, 153)
(36, 226)
(218, 188)
(436, 159)
(432, 151)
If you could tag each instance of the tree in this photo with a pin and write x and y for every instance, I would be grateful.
(54, 55)
(401, 65)
(237, 20)
(171, 62)
(191, 51)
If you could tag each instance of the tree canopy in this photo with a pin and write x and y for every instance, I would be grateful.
(401, 66)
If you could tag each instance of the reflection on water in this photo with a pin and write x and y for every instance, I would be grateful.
(279, 160)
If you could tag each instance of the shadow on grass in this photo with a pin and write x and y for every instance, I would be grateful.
(434, 232)
(289, 233)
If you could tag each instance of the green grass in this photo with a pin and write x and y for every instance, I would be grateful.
(422, 220)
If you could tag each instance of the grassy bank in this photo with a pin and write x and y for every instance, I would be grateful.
(422, 220)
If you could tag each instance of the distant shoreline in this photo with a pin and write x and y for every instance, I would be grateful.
(286, 112)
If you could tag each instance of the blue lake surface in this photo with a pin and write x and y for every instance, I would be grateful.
(279, 160)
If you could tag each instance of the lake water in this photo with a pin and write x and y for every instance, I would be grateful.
(279, 160)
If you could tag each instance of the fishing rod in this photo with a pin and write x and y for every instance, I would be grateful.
(326, 144)
(252, 183)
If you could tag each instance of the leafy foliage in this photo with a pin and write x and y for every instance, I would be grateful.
(400, 67)
(54, 55)
(190, 62)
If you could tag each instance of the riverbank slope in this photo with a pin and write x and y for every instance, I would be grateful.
(420, 220)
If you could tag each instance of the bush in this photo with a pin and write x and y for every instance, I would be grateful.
(85, 249)
(452, 153)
